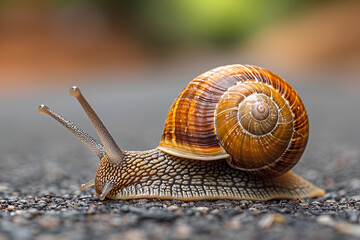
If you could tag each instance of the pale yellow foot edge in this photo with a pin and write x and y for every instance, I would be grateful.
(310, 190)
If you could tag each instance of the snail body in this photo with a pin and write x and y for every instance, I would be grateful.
(234, 132)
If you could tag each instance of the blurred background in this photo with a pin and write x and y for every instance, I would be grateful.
(45, 43)
(132, 58)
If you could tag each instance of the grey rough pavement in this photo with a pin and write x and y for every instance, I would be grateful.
(43, 165)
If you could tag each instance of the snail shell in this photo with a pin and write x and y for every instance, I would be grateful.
(245, 114)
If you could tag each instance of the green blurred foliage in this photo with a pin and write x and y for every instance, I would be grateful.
(214, 22)
(176, 23)
(184, 23)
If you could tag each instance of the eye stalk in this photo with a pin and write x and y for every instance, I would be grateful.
(84, 137)
(107, 147)
(112, 150)
(108, 186)
(88, 184)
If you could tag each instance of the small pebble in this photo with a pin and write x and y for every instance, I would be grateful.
(33, 210)
(215, 211)
(258, 206)
(296, 201)
(66, 196)
(132, 234)
(20, 212)
(346, 228)
(305, 204)
(269, 220)
(355, 198)
(4, 187)
(330, 201)
(49, 222)
(234, 223)
(116, 221)
(173, 207)
(342, 192)
(201, 209)
(13, 199)
(349, 229)
(58, 200)
(182, 231)
(10, 208)
(245, 202)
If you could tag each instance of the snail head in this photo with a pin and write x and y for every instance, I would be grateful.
(110, 155)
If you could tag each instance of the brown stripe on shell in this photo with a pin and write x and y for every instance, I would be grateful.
(190, 132)
(189, 126)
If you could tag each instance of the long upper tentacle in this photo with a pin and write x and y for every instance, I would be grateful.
(88, 140)
(112, 150)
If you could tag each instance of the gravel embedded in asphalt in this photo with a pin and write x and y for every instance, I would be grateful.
(26, 216)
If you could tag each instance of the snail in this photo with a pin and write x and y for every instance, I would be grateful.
(234, 133)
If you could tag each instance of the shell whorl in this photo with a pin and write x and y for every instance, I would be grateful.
(243, 113)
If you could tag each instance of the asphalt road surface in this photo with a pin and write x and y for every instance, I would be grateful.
(43, 165)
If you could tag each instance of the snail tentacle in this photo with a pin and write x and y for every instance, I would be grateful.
(84, 137)
(112, 150)
(108, 186)
(88, 184)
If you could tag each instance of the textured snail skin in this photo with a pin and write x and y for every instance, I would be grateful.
(155, 174)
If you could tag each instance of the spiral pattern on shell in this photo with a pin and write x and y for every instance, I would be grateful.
(243, 113)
